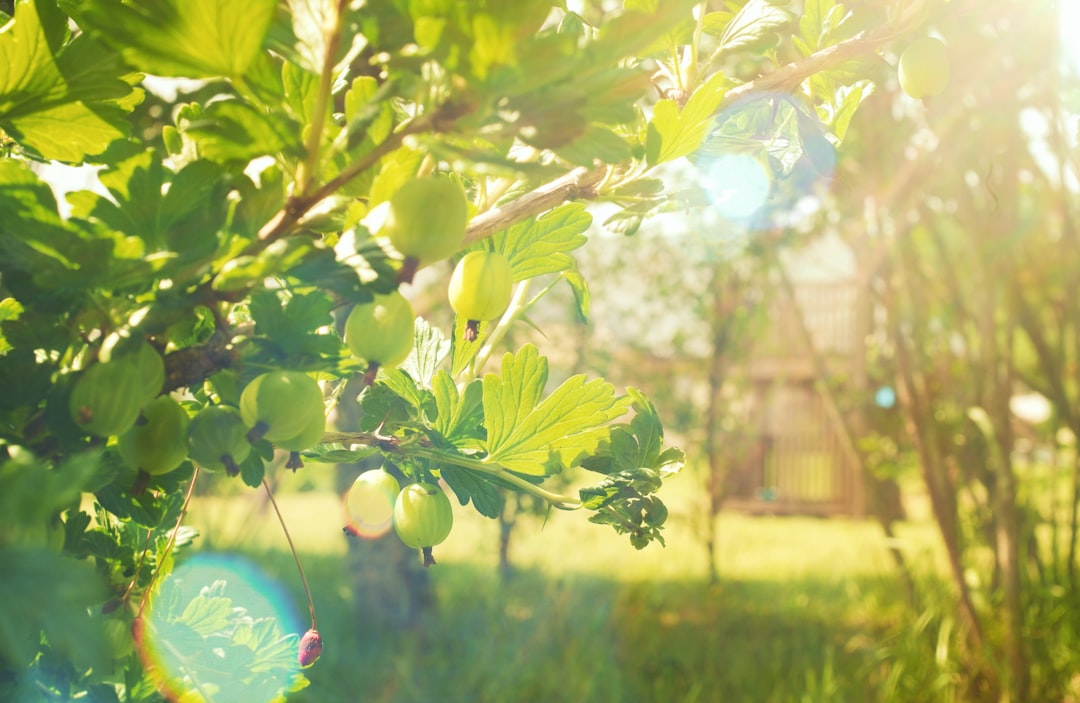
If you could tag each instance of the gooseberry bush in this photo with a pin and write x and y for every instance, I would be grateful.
(270, 177)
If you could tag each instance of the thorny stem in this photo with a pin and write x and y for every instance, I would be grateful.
(292, 548)
(332, 37)
(172, 537)
(563, 502)
(513, 312)
(580, 183)
(297, 206)
(138, 568)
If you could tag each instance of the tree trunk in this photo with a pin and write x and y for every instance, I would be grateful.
(920, 425)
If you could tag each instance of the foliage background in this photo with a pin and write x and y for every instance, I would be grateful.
(960, 211)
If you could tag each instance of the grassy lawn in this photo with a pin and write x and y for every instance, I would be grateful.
(795, 616)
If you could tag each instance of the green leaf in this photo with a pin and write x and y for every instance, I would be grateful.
(10, 309)
(468, 485)
(293, 326)
(51, 594)
(252, 470)
(207, 615)
(580, 287)
(405, 387)
(525, 433)
(459, 416)
(756, 21)
(181, 38)
(232, 131)
(714, 23)
(812, 23)
(675, 133)
(430, 347)
(848, 99)
(597, 143)
(541, 245)
(62, 101)
(369, 119)
(309, 21)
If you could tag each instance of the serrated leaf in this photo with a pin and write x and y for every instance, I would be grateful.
(458, 414)
(293, 325)
(579, 285)
(637, 445)
(525, 432)
(10, 309)
(625, 222)
(754, 22)
(542, 245)
(597, 143)
(714, 23)
(848, 99)
(64, 101)
(401, 383)
(468, 485)
(181, 38)
(234, 131)
(309, 21)
(207, 615)
(674, 133)
(430, 347)
(252, 470)
(51, 594)
(639, 187)
(369, 119)
(812, 22)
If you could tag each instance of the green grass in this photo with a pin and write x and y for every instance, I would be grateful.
(794, 617)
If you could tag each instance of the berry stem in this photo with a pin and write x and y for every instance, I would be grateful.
(292, 548)
(472, 330)
(142, 480)
(257, 432)
(513, 311)
(408, 270)
(138, 569)
(172, 537)
(369, 375)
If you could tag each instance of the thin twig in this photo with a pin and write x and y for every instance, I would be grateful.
(172, 537)
(292, 548)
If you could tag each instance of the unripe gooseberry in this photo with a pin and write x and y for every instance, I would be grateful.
(426, 221)
(923, 69)
(217, 439)
(370, 501)
(151, 370)
(157, 442)
(423, 517)
(480, 288)
(105, 400)
(381, 331)
(278, 405)
(305, 439)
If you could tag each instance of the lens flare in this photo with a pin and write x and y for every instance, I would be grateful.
(736, 184)
(217, 628)
(763, 159)
(885, 397)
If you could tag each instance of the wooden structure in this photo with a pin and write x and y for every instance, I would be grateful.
(798, 462)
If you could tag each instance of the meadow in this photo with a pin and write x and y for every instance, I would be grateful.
(804, 610)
